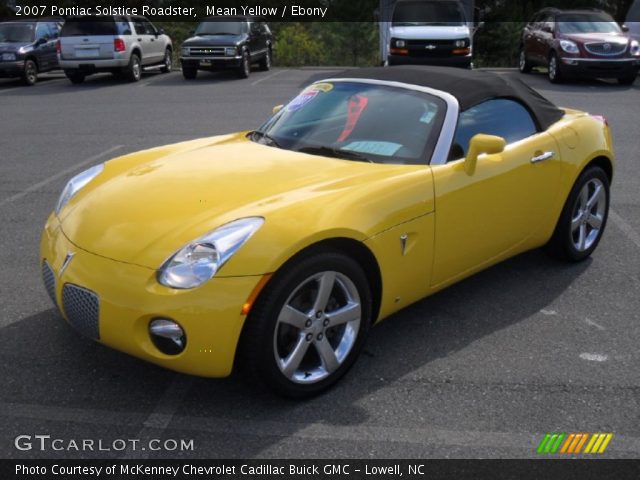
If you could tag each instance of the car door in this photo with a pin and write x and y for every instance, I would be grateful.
(54, 29)
(545, 38)
(494, 212)
(157, 47)
(143, 39)
(45, 47)
(529, 41)
(255, 43)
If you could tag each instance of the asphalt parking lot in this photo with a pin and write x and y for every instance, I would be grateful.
(483, 369)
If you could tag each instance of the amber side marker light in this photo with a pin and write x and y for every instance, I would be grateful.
(246, 308)
(399, 51)
(462, 51)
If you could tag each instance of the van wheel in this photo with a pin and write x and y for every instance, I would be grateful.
(134, 70)
(75, 77)
(30, 73)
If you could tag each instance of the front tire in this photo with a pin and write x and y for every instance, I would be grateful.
(245, 67)
(583, 218)
(167, 64)
(30, 73)
(523, 64)
(308, 326)
(555, 74)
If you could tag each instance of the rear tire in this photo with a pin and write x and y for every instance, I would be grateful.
(30, 73)
(523, 64)
(74, 77)
(167, 62)
(134, 70)
(583, 218)
(555, 73)
(245, 67)
(292, 316)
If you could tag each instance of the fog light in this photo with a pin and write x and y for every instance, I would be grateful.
(167, 336)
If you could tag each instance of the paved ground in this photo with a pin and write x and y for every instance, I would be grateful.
(482, 369)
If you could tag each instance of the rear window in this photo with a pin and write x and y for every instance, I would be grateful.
(81, 27)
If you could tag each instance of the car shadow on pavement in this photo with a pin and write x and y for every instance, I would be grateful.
(47, 365)
(538, 80)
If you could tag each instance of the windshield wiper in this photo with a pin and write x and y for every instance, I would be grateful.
(272, 141)
(335, 153)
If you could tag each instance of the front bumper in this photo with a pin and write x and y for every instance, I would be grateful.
(461, 61)
(605, 68)
(13, 68)
(129, 297)
(211, 63)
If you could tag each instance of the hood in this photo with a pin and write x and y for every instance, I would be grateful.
(597, 37)
(428, 32)
(145, 206)
(12, 47)
(214, 40)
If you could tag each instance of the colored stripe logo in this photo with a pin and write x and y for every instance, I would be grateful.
(574, 443)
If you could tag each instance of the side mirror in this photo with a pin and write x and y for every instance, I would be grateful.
(482, 144)
(624, 27)
(41, 41)
(277, 108)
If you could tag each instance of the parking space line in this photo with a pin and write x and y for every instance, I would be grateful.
(627, 229)
(268, 77)
(162, 414)
(52, 178)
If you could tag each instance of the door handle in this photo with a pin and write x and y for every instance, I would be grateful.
(543, 156)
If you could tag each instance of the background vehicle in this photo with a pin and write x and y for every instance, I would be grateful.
(234, 44)
(27, 48)
(579, 42)
(434, 32)
(120, 45)
(633, 20)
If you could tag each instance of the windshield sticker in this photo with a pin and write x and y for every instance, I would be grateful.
(321, 87)
(376, 148)
(301, 100)
(357, 105)
(427, 116)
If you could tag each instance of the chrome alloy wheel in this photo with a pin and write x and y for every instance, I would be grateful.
(553, 67)
(317, 327)
(523, 60)
(588, 215)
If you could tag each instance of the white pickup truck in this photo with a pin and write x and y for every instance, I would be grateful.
(432, 32)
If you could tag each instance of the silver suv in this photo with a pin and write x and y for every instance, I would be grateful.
(123, 46)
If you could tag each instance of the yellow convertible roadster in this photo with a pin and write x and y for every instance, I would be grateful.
(276, 250)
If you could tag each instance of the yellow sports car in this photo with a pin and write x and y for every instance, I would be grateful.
(277, 249)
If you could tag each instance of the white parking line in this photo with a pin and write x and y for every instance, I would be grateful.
(588, 321)
(52, 178)
(266, 78)
(627, 229)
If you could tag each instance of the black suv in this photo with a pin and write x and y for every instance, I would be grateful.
(236, 44)
(28, 47)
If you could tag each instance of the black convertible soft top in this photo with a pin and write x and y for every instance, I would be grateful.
(470, 87)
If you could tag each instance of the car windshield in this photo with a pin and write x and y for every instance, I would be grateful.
(358, 121)
(221, 28)
(438, 13)
(17, 32)
(587, 23)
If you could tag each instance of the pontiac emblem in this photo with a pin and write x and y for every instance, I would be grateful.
(65, 263)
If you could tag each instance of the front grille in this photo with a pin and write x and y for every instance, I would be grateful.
(206, 51)
(82, 308)
(606, 49)
(49, 279)
(436, 43)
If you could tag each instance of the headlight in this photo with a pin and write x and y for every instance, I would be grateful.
(185, 51)
(635, 48)
(8, 57)
(461, 43)
(400, 43)
(230, 51)
(76, 184)
(569, 46)
(25, 49)
(198, 261)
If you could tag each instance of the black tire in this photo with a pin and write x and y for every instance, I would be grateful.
(189, 73)
(523, 63)
(167, 62)
(554, 73)
(75, 77)
(265, 63)
(561, 245)
(257, 349)
(30, 73)
(134, 69)
(627, 80)
(244, 70)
